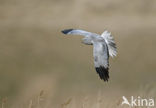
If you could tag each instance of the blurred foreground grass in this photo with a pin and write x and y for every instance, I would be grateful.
(100, 99)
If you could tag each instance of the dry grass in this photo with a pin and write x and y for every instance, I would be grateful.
(107, 99)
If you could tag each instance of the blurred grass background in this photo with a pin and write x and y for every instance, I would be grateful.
(36, 56)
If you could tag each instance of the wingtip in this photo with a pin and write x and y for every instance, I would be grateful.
(103, 73)
(66, 31)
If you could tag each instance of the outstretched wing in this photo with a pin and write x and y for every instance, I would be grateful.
(78, 32)
(101, 56)
(110, 43)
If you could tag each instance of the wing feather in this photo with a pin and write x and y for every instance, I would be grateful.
(78, 32)
(101, 56)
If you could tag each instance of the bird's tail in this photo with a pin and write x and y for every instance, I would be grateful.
(110, 43)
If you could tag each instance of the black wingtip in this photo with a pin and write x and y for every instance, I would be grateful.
(66, 31)
(103, 73)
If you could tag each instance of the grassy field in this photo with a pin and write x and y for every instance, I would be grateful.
(42, 68)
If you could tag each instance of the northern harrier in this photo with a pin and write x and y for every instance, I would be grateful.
(103, 46)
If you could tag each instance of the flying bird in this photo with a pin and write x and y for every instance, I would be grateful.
(103, 47)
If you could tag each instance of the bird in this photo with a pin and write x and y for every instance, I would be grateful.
(103, 47)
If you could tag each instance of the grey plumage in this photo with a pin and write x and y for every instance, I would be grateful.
(103, 46)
